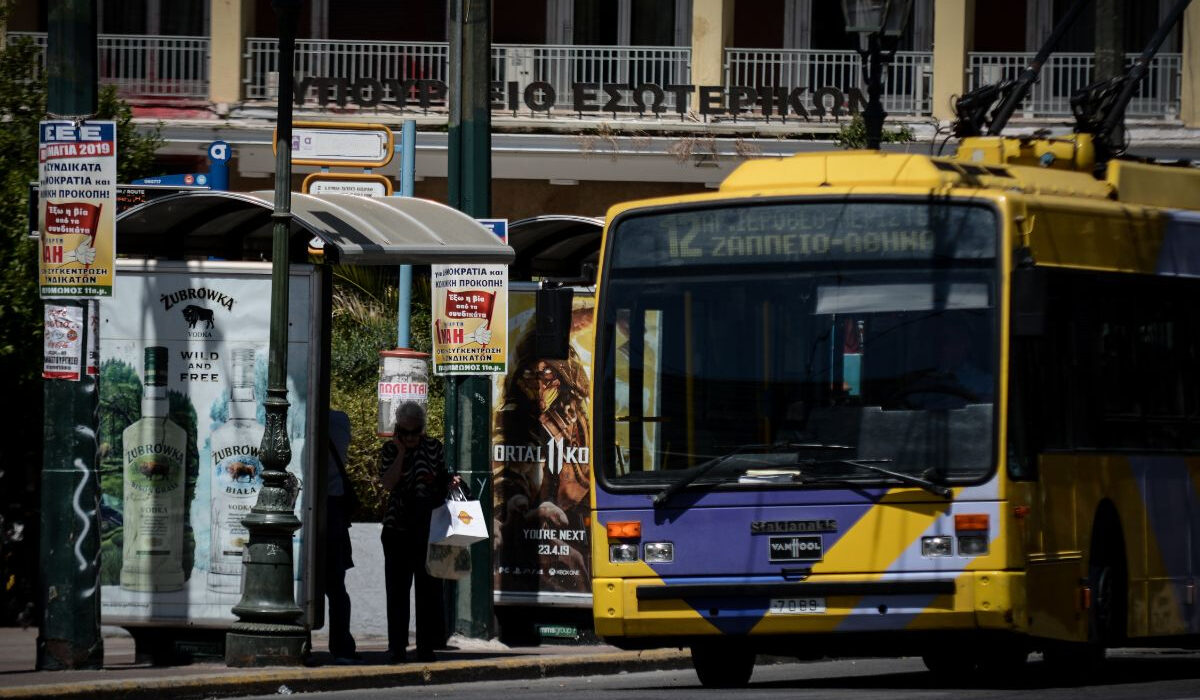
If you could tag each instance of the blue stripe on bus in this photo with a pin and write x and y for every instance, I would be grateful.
(1168, 494)
(1180, 251)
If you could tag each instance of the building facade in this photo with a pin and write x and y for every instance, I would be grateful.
(595, 101)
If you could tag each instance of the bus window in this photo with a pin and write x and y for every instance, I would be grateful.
(637, 375)
(869, 328)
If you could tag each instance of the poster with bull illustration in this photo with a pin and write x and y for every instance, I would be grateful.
(541, 462)
(183, 373)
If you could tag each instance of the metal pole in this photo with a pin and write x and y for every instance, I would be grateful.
(408, 148)
(69, 629)
(874, 113)
(470, 170)
(270, 630)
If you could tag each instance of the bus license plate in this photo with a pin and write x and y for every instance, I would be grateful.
(797, 606)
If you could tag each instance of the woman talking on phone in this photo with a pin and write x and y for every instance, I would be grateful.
(413, 468)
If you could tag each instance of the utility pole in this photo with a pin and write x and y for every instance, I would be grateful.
(469, 398)
(69, 631)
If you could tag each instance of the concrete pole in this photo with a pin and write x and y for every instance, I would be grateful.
(953, 29)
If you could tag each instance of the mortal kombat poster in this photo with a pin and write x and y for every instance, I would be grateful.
(541, 459)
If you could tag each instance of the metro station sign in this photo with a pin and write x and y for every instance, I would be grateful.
(328, 144)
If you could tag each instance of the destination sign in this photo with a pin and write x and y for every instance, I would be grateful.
(819, 231)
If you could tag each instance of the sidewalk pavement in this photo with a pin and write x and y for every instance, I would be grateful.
(124, 678)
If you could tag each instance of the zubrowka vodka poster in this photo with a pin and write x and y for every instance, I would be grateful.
(183, 373)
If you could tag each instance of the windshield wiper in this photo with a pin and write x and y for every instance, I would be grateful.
(705, 467)
(813, 446)
(873, 465)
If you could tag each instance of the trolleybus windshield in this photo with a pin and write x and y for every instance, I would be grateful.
(795, 344)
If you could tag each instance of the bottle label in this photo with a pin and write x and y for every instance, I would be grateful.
(237, 477)
(153, 469)
(238, 470)
(154, 510)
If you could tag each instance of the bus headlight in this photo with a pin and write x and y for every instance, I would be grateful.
(937, 546)
(659, 552)
(624, 553)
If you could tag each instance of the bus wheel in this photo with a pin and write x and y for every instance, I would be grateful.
(1106, 618)
(722, 665)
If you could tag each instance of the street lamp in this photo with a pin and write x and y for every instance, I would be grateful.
(880, 23)
(270, 630)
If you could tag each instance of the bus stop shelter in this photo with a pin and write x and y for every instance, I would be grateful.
(354, 230)
(206, 253)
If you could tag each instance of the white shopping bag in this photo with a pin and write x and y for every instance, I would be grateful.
(457, 523)
(444, 561)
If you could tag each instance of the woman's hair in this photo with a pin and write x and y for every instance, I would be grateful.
(410, 411)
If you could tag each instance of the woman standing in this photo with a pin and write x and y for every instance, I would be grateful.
(413, 467)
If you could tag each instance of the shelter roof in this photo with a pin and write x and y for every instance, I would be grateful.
(354, 230)
(559, 246)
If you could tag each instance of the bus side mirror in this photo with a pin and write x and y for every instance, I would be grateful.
(552, 324)
(1028, 301)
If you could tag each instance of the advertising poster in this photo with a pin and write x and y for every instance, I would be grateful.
(77, 208)
(63, 339)
(183, 373)
(541, 463)
(470, 319)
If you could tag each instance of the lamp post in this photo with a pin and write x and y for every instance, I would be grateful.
(880, 24)
(270, 630)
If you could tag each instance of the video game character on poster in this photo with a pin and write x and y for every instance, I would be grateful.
(541, 465)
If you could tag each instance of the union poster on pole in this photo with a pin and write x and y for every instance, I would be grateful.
(77, 206)
(470, 319)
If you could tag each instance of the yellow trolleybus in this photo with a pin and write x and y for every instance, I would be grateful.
(877, 403)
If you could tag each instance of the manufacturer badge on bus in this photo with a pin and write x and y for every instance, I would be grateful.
(795, 548)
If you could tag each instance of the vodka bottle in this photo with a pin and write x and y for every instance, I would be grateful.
(154, 455)
(236, 477)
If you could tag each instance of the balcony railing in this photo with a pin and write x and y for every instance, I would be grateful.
(562, 66)
(146, 66)
(390, 63)
(1064, 73)
(382, 61)
(178, 66)
(907, 80)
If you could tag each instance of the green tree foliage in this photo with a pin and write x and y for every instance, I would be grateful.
(23, 102)
(853, 134)
(364, 322)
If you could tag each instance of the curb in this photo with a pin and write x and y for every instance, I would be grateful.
(298, 680)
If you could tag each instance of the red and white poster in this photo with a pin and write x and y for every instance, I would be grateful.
(77, 205)
(63, 357)
(470, 319)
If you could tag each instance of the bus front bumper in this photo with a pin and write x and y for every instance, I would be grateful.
(829, 604)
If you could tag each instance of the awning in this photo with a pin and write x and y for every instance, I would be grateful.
(354, 230)
(560, 246)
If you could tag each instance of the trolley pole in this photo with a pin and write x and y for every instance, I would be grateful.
(69, 630)
(469, 398)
